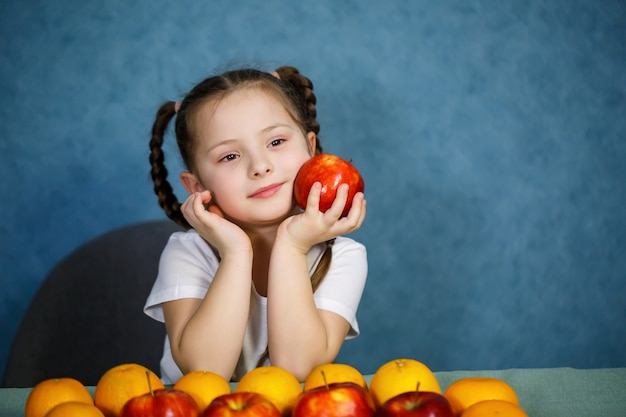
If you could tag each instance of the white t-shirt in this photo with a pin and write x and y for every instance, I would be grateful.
(188, 265)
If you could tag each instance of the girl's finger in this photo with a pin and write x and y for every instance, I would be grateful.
(213, 208)
(313, 199)
(188, 209)
(356, 215)
(198, 204)
(188, 203)
(205, 196)
(362, 205)
(336, 209)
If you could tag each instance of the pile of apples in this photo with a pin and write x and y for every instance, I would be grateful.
(347, 399)
(339, 399)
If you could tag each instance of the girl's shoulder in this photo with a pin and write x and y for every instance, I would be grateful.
(188, 237)
(189, 244)
(343, 243)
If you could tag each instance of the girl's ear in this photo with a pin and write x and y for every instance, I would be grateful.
(190, 182)
(312, 139)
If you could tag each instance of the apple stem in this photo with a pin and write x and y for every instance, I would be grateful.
(325, 380)
(149, 383)
(417, 393)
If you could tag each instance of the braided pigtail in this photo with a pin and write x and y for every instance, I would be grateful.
(323, 265)
(307, 100)
(303, 87)
(162, 187)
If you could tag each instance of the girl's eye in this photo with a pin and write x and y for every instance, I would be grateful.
(276, 142)
(229, 157)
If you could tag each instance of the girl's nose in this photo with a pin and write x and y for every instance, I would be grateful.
(260, 166)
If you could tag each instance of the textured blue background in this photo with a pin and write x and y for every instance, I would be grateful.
(491, 135)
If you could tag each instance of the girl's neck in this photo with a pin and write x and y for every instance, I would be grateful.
(262, 239)
(262, 242)
(263, 236)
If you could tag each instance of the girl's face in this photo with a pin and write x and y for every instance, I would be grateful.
(248, 153)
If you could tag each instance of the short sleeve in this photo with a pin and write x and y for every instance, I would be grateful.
(186, 270)
(341, 290)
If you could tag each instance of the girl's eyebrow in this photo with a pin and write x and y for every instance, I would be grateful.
(275, 126)
(264, 130)
(221, 143)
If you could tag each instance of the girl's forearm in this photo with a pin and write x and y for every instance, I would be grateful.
(213, 336)
(298, 339)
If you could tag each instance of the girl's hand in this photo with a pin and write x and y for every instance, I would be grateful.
(312, 226)
(211, 224)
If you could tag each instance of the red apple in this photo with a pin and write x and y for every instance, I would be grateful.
(162, 402)
(416, 404)
(331, 171)
(241, 404)
(341, 399)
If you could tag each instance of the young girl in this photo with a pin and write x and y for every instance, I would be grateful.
(254, 280)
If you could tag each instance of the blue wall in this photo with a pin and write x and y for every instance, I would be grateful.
(491, 135)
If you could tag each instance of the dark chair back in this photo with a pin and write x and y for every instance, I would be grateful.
(87, 315)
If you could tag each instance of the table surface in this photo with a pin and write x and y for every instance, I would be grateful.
(550, 392)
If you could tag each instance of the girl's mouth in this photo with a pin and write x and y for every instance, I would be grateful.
(265, 192)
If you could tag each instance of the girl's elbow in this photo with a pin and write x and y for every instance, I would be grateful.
(299, 370)
(187, 366)
(301, 367)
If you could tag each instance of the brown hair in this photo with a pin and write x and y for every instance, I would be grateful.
(295, 92)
